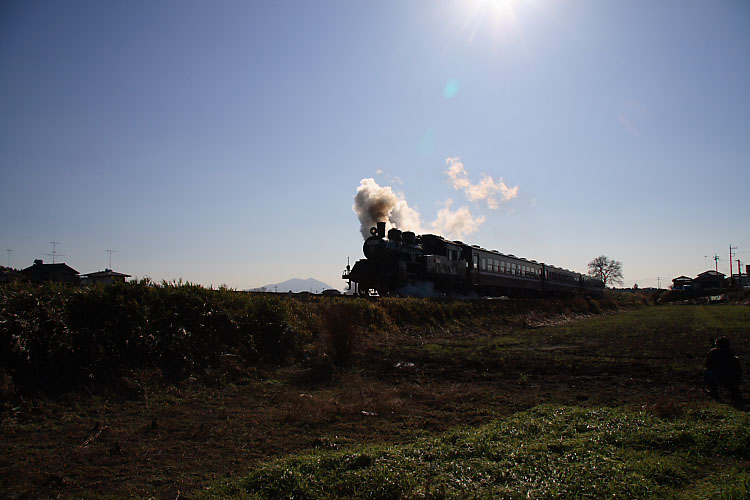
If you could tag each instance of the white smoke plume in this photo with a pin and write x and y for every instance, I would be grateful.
(374, 203)
(487, 189)
(458, 223)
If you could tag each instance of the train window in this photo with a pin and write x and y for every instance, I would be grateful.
(496, 265)
(484, 263)
(476, 261)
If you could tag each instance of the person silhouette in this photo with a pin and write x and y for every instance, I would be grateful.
(722, 369)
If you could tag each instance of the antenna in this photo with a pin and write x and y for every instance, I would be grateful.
(110, 252)
(54, 251)
(9, 250)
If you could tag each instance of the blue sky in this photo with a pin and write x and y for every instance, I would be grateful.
(223, 142)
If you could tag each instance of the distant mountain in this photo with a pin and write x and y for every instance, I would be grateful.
(296, 285)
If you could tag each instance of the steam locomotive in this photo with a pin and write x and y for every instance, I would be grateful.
(411, 265)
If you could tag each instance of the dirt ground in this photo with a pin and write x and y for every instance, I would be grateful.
(397, 388)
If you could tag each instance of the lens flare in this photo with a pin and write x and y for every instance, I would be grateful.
(451, 88)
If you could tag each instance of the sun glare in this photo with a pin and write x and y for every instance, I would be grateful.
(500, 6)
(499, 16)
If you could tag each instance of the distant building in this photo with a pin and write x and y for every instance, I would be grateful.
(106, 277)
(742, 280)
(710, 279)
(682, 283)
(58, 273)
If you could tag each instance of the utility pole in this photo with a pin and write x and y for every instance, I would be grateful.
(110, 252)
(658, 282)
(730, 259)
(8, 250)
(716, 260)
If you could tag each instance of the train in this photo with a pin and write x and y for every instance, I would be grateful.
(406, 264)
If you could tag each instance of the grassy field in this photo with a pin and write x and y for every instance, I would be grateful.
(547, 452)
(432, 400)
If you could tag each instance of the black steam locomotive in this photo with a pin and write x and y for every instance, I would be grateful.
(425, 265)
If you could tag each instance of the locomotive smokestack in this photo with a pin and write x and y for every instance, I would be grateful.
(381, 229)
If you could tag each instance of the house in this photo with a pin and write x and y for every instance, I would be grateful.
(106, 277)
(59, 273)
(682, 283)
(710, 279)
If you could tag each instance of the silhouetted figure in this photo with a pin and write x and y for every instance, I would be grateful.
(723, 370)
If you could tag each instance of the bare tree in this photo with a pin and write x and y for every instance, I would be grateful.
(606, 269)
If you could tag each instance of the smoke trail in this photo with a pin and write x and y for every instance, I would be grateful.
(374, 203)
(485, 190)
(458, 223)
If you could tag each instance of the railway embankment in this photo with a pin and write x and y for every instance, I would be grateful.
(57, 339)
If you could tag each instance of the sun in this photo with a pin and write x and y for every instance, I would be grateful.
(498, 16)
(502, 7)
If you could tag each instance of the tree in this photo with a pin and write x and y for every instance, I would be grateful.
(606, 269)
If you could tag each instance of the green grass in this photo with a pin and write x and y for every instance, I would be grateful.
(546, 452)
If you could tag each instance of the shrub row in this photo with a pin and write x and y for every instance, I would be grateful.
(54, 338)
